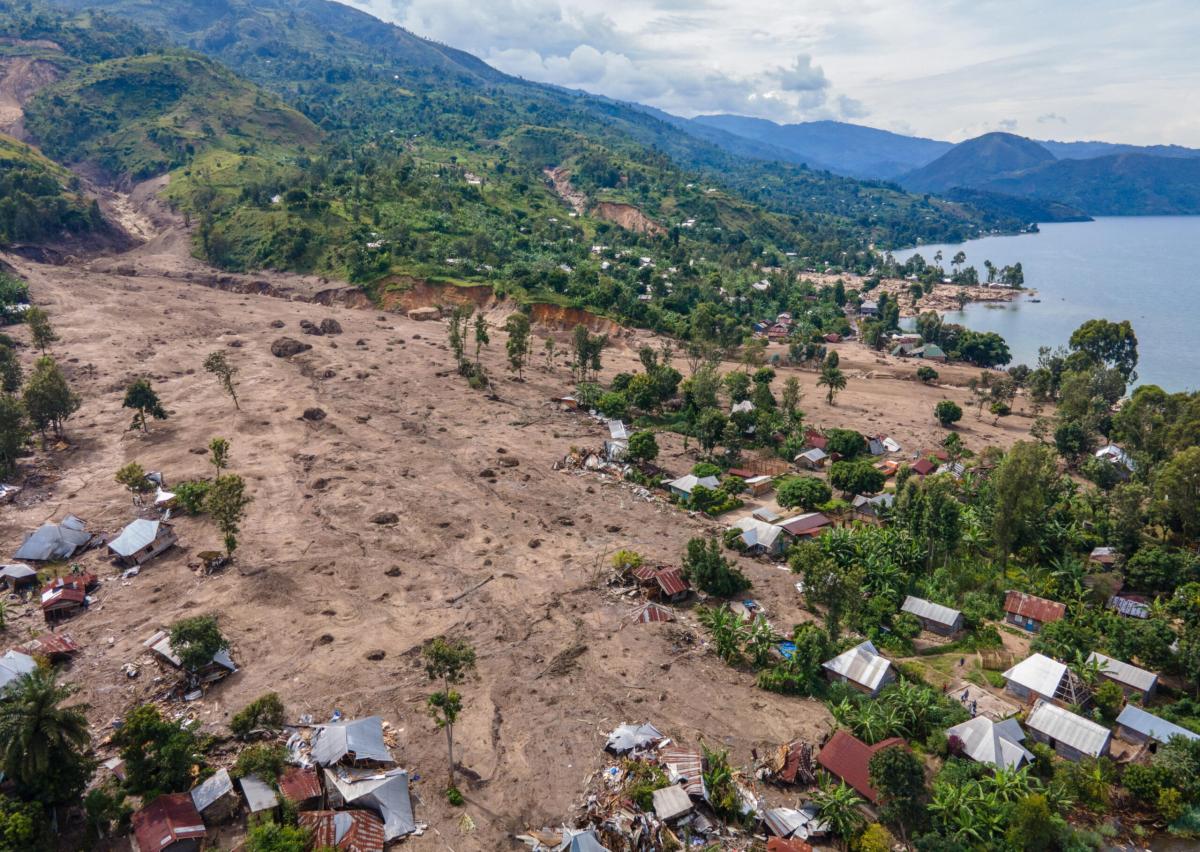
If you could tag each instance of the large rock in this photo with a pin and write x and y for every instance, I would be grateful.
(385, 518)
(286, 347)
(313, 414)
(422, 314)
(331, 326)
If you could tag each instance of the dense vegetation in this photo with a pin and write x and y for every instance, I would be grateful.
(39, 200)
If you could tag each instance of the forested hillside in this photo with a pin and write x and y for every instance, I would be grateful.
(39, 200)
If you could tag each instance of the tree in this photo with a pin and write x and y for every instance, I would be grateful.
(447, 663)
(226, 502)
(218, 454)
(1032, 825)
(40, 332)
(826, 583)
(519, 341)
(217, 364)
(805, 492)
(272, 837)
(840, 807)
(140, 396)
(133, 477)
(947, 412)
(43, 745)
(14, 432)
(265, 713)
(10, 367)
(457, 334)
(707, 568)
(160, 755)
(643, 447)
(927, 374)
(709, 429)
(832, 379)
(481, 338)
(852, 477)
(196, 641)
(1177, 492)
(789, 401)
(900, 779)
(1024, 486)
(613, 405)
(49, 400)
(1101, 342)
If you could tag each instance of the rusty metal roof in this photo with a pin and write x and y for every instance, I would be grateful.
(1031, 606)
(686, 766)
(51, 645)
(352, 831)
(299, 784)
(168, 819)
(652, 612)
(848, 758)
(671, 581)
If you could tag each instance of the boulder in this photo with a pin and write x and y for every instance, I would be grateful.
(286, 347)
(425, 314)
(313, 414)
(385, 518)
(331, 326)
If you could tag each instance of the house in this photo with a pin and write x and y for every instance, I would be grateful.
(930, 352)
(352, 742)
(385, 793)
(762, 538)
(221, 666)
(955, 469)
(17, 576)
(1106, 556)
(848, 758)
(357, 831)
(56, 647)
(215, 799)
(1130, 606)
(13, 666)
(862, 667)
(1136, 726)
(1039, 677)
(685, 485)
(798, 824)
(170, 823)
(808, 525)
(577, 840)
(933, 617)
(672, 803)
(1118, 458)
(1132, 680)
(759, 485)
(1030, 612)
(141, 541)
(872, 509)
(301, 786)
(650, 613)
(769, 516)
(671, 584)
(868, 309)
(923, 467)
(54, 542)
(260, 796)
(994, 743)
(64, 596)
(1071, 736)
(813, 459)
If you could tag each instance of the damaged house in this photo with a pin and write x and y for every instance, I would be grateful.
(141, 541)
(55, 542)
(222, 664)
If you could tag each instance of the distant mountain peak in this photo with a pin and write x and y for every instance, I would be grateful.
(976, 161)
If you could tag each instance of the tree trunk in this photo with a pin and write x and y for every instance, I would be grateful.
(450, 748)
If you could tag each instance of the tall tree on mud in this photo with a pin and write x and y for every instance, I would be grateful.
(447, 663)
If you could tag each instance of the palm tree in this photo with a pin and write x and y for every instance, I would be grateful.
(839, 807)
(833, 380)
(41, 742)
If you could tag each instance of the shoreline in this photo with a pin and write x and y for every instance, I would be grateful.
(943, 299)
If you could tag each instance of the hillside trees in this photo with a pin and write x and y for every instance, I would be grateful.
(226, 501)
(14, 432)
(49, 400)
(142, 398)
(43, 744)
(705, 566)
(805, 492)
(41, 333)
(160, 755)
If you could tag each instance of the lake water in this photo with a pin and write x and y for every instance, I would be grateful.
(1143, 269)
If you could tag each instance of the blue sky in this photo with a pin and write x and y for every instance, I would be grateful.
(949, 69)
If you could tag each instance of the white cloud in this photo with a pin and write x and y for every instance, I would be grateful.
(944, 68)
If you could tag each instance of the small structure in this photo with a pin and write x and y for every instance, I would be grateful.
(1132, 680)
(868, 309)
(1105, 556)
(813, 459)
(808, 525)
(685, 485)
(665, 583)
(352, 742)
(301, 786)
(221, 666)
(13, 666)
(384, 792)
(53, 542)
(923, 467)
(848, 758)
(1139, 727)
(769, 516)
(1039, 677)
(141, 541)
(862, 667)
(215, 799)
(762, 538)
(793, 826)
(1118, 458)
(358, 831)
(814, 440)
(1071, 736)
(170, 823)
(650, 613)
(791, 763)
(759, 485)
(873, 510)
(994, 743)
(930, 352)
(626, 738)
(672, 803)
(17, 576)
(64, 596)
(933, 617)
(56, 647)
(1030, 612)
(1130, 606)
(260, 796)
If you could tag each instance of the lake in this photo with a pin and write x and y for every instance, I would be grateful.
(1143, 269)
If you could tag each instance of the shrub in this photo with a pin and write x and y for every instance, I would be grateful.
(266, 760)
(852, 477)
(703, 469)
(947, 413)
(927, 374)
(455, 797)
(704, 565)
(263, 713)
(273, 837)
(641, 780)
(189, 495)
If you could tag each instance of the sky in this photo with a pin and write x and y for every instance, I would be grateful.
(947, 69)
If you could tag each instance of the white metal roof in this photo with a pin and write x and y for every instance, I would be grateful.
(617, 430)
(757, 533)
(861, 664)
(361, 737)
(1064, 726)
(1137, 719)
(216, 786)
(13, 665)
(997, 743)
(688, 483)
(931, 611)
(134, 537)
(1125, 673)
(1038, 674)
(260, 796)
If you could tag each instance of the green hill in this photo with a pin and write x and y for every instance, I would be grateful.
(140, 116)
(976, 161)
(39, 200)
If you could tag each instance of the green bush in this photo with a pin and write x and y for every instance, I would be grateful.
(266, 760)
(189, 495)
(263, 713)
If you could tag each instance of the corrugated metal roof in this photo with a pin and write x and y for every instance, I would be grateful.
(804, 524)
(627, 737)
(1136, 719)
(14, 665)
(1038, 673)
(687, 484)
(861, 664)
(299, 784)
(1129, 607)
(134, 537)
(168, 819)
(352, 831)
(995, 743)
(361, 738)
(385, 792)
(51, 645)
(671, 581)
(686, 766)
(930, 611)
(211, 790)
(671, 803)
(1125, 673)
(260, 796)
(1064, 726)
(54, 541)
(848, 758)
(756, 533)
(652, 612)
(17, 572)
(1031, 606)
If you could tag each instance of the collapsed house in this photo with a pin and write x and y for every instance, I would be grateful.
(355, 831)
(55, 542)
(221, 665)
(170, 823)
(62, 597)
(383, 791)
(353, 742)
(17, 576)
